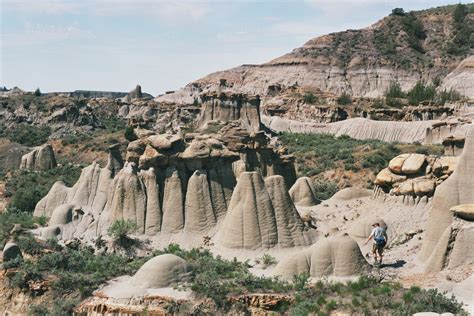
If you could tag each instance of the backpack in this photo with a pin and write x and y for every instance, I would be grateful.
(380, 241)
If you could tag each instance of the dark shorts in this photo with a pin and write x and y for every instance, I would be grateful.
(377, 248)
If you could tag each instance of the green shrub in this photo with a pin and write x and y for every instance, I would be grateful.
(121, 228)
(398, 11)
(344, 99)
(26, 187)
(310, 98)
(26, 134)
(268, 260)
(300, 281)
(216, 278)
(113, 123)
(394, 90)
(462, 39)
(8, 220)
(325, 189)
(447, 96)
(37, 92)
(413, 27)
(129, 134)
(29, 245)
(421, 92)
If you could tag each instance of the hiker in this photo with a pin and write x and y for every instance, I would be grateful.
(379, 236)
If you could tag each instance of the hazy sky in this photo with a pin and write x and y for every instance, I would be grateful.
(64, 45)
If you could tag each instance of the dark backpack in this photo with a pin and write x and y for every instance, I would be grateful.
(380, 241)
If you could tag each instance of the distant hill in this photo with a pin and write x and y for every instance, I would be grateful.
(404, 47)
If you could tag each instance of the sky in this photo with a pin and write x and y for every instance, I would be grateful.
(113, 45)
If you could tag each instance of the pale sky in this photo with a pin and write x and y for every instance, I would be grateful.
(112, 45)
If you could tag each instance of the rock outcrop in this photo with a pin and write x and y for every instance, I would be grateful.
(40, 158)
(233, 107)
(11, 251)
(165, 270)
(169, 184)
(415, 175)
(10, 155)
(461, 77)
(353, 61)
(446, 233)
(303, 192)
(261, 215)
(335, 256)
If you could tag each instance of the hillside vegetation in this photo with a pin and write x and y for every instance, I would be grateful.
(328, 158)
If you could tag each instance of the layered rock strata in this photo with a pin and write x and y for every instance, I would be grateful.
(446, 243)
(230, 107)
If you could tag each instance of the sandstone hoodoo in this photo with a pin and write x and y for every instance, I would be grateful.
(336, 256)
(168, 184)
(162, 271)
(446, 233)
(337, 178)
(303, 192)
(261, 215)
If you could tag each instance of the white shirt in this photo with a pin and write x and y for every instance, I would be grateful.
(378, 232)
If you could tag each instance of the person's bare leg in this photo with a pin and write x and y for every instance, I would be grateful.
(374, 252)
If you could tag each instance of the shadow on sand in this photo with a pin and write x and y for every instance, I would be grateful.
(398, 264)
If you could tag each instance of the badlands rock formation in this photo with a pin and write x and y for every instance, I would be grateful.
(233, 107)
(429, 132)
(461, 78)
(10, 155)
(261, 215)
(446, 242)
(40, 158)
(338, 256)
(303, 192)
(354, 61)
(415, 175)
(168, 184)
(162, 271)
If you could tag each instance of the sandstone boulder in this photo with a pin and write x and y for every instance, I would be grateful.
(40, 158)
(413, 164)
(290, 227)
(115, 161)
(464, 211)
(11, 252)
(396, 164)
(424, 187)
(386, 177)
(127, 197)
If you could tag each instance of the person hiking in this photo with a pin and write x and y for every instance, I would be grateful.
(379, 236)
